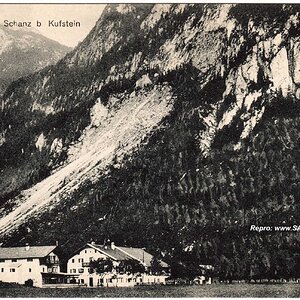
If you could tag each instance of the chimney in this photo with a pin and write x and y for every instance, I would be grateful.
(112, 246)
(27, 247)
(92, 243)
(56, 243)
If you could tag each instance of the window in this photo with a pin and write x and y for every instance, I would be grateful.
(73, 260)
(95, 251)
(80, 270)
(82, 280)
(70, 270)
(74, 270)
(29, 259)
(14, 260)
(85, 251)
(29, 270)
(12, 270)
(2, 260)
(2, 270)
(43, 269)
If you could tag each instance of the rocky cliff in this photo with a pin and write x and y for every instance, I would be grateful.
(172, 126)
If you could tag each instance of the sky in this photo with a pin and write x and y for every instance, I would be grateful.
(86, 14)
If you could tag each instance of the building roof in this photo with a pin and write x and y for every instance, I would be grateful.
(141, 255)
(114, 252)
(22, 252)
(122, 253)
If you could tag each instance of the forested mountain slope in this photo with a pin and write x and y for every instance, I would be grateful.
(173, 127)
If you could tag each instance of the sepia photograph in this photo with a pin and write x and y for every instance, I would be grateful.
(149, 150)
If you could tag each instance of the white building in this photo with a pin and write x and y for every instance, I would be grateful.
(38, 263)
(79, 266)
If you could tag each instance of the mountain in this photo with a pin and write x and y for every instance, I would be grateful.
(171, 126)
(24, 51)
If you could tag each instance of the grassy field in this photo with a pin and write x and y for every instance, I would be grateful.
(215, 290)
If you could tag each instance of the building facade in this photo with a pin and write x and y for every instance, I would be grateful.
(20, 264)
(79, 266)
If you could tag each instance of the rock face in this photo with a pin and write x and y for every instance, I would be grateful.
(23, 52)
(178, 123)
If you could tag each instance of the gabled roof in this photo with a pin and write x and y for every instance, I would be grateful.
(114, 253)
(138, 254)
(122, 253)
(141, 255)
(21, 252)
